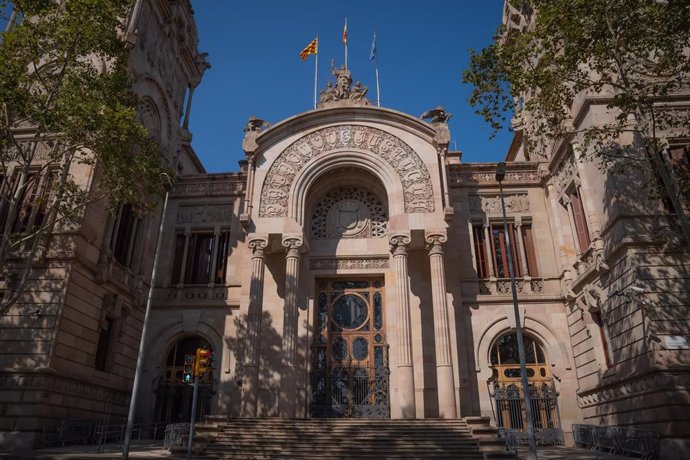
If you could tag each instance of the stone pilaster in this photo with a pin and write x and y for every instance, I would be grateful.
(406, 391)
(288, 402)
(444, 362)
(253, 342)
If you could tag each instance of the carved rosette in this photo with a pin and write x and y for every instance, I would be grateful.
(349, 212)
(414, 175)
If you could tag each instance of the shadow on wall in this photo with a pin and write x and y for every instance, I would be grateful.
(648, 305)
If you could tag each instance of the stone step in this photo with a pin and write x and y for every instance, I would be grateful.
(276, 438)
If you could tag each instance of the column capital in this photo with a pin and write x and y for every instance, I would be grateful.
(398, 243)
(257, 245)
(435, 242)
(292, 245)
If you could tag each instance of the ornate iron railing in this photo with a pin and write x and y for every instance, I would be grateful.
(175, 434)
(511, 419)
(350, 392)
(618, 440)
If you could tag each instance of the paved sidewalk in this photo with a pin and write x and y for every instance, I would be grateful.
(154, 449)
(138, 449)
(567, 453)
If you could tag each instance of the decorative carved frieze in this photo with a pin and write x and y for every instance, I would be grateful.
(349, 212)
(518, 202)
(231, 186)
(205, 214)
(196, 293)
(414, 175)
(345, 263)
(482, 176)
(502, 286)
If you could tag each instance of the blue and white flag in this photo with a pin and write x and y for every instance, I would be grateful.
(372, 55)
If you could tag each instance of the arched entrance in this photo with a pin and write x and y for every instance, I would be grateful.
(173, 395)
(508, 394)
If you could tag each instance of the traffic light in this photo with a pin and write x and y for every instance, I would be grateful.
(189, 366)
(202, 363)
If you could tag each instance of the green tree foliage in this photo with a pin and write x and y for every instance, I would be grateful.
(65, 104)
(631, 55)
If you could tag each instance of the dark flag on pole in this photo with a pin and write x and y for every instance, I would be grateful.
(372, 54)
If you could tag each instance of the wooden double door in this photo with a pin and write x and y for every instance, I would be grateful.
(350, 366)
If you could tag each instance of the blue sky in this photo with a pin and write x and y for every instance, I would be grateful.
(256, 70)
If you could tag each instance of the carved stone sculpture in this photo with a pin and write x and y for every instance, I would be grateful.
(437, 115)
(343, 93)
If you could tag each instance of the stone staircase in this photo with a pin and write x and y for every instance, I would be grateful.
(277, 438)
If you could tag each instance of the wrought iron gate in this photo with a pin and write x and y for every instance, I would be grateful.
(350, 368)
(510, 414)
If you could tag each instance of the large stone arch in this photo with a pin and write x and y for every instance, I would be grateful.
(282, 194)
(555, 350)
(323, 165)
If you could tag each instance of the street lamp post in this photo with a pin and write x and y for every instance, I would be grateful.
(500, 175)
(142, 343)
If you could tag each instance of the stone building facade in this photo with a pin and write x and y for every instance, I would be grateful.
(355, 266)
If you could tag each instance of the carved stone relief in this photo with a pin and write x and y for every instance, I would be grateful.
(564, 173)
(349, 212)
(332, 263)
(151, 119)
(205, 187)
(518, 202)
(415, 178)
(206, 214)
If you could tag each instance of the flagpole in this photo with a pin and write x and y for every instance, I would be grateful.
(378, 90)
(316, 69)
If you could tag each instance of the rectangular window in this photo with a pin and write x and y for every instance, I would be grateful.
(528, 241)
(499, 250)
(480, 251)
(199, 264)
(580, 221)
(124, 235)
(103, 347)
(32, 204)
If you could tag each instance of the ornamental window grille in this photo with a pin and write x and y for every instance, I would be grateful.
(349, 212)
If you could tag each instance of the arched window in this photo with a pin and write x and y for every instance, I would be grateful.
(508, 394)
(173, 395)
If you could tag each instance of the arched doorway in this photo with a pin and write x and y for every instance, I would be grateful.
(173, 395)
(508, 394)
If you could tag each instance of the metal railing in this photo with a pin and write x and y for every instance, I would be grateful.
(618, 440)
(96, 431)
(175, 433)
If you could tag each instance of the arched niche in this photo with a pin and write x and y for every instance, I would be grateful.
(346, 187)
(373, 170)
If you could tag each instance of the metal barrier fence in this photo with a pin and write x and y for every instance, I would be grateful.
(175, 433)
(98, 432)
(618, 440)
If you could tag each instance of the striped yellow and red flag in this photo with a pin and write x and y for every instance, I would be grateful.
(345, 33)
(311, 48)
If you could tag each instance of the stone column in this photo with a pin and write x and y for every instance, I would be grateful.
(288, 385)
(406, 392)
(444, 363)
(521, 246)
(253, 340)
